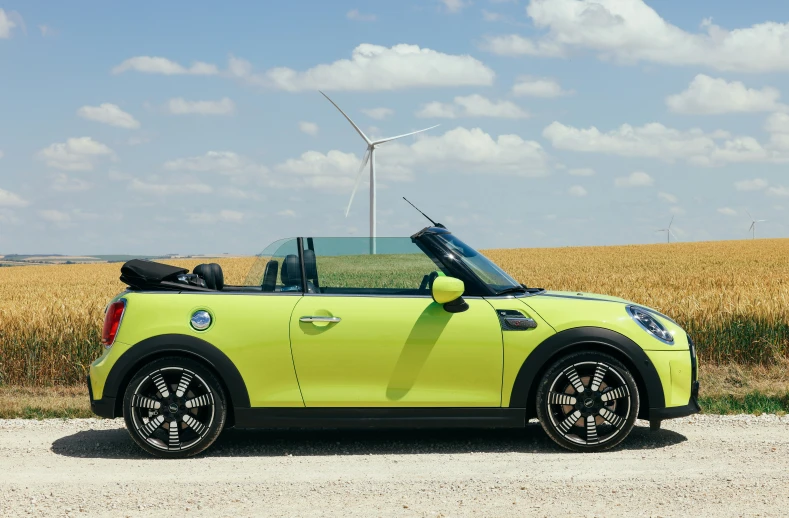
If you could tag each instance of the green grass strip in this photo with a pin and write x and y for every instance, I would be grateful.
(751, 403)
(36, 412)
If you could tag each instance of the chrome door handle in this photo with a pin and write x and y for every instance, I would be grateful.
(332, 320)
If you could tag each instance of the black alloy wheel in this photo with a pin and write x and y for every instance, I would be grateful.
(174, 408)
(587, 402)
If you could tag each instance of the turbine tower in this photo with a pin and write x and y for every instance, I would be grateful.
(369, 156)
(668, 231)
(752, 228)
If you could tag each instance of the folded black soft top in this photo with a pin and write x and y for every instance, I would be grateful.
(139, 273)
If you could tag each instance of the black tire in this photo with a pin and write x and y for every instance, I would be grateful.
(176, 390)
(601, 419)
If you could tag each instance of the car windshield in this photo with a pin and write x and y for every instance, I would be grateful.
(489, 272)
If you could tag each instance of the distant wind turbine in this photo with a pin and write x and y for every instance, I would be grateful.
(668, 231)
(369, 156)
(752, 228)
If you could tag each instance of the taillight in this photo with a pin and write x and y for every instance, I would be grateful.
(112, 321)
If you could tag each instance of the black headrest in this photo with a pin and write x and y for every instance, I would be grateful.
(270, 276)
(291, 271)
(310, 266)
(212, 275)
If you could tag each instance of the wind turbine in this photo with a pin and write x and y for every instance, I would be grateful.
(752, 228)
(369, 156)
(668, 231)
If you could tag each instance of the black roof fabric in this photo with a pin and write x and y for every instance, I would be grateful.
(138, 272)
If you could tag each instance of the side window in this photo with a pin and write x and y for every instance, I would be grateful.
(277, 269)
(348, 266)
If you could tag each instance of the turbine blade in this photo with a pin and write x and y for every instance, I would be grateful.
(751, 227)
(404, 135)
(749, 214)
(365, 159)
(672, 221)
(358, 130)
(673, 234)
(760, 220)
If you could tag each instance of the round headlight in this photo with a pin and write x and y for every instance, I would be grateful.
(201, 320)
(650, 324)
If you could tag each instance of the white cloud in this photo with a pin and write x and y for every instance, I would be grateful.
(164, 66)
(489, 16)
(655, 140)
(6, 24)
(755, 184)
(288, 213)
(778, 191)
(457, 150)
(57, 217)
(371, 68)
(577, 191)
(180, 106)
(47, 31)
(472, 106)
(111, 114)
(63, 183)
(310, 128)
(727, 211)
(378, 113)
(454, 6)
(222, 162)
(538, 87)
(355, 15)
(667, 197)
(634, 179)
(240, 194)
(707, 95)
(676, 210)
(159, 189)
(76, 154)
(1, 153)
(582, 171)
(630, 31)
(11, 200)
(223, 216)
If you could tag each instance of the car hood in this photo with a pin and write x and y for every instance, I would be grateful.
(577, 295)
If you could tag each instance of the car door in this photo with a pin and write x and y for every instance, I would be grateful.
(370, 334)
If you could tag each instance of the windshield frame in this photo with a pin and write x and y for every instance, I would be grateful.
(475, 286)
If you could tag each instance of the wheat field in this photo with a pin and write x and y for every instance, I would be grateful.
(731, 296)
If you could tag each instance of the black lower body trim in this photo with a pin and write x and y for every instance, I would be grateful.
(104, 407)
(360, 418)
(656, 415)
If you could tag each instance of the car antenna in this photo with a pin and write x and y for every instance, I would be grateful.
(438, 225)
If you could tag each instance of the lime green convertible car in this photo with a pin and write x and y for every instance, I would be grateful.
(394, 332)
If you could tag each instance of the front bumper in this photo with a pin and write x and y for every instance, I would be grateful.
(656, 415)
(104, 407)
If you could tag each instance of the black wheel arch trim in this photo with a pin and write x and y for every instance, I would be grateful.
(173, 344)
(571, 340)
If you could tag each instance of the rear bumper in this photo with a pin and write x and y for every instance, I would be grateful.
(104, 407)
(660, 414)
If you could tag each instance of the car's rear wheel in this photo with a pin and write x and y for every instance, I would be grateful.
(174, 407)
(587, 401)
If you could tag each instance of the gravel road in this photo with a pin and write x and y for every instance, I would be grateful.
(698, 466)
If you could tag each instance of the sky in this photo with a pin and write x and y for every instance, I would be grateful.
(194, 127)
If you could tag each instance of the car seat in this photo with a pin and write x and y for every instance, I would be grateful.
(212, 275)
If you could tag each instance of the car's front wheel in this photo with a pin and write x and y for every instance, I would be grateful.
(174, 407)
(587, 401)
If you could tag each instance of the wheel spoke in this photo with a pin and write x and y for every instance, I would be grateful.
(145, 402)
(194, 424)
(599, 374)
(204, 400)
(568, 423)
(150, 426)
(612, 418)
(559, 398)
(161, 385)
(174, 441)
(572, 375)
(591, 430)
(617, 393)
(186, 379)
